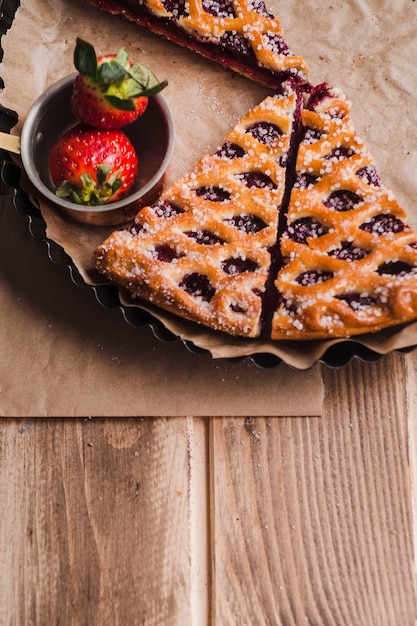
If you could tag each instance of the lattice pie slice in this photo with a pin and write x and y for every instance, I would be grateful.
(239, 34)
(204, 250)
(350, 257)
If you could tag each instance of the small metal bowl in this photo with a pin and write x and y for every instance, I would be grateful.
(152, 136)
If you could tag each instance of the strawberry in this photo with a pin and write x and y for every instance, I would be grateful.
(110, 91)
(92, 166)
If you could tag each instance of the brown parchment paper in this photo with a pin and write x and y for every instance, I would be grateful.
(365, 47)
(63, 355)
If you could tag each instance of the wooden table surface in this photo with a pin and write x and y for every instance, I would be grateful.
(223, 521)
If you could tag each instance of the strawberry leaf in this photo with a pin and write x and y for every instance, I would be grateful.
(120, 82)
(119, 103)
(134, 90)
(113, 176)
(95, 200)
(85, 59)
(145, 83)
(64, 190)
(111, 72)
(103, 170)
(122, 57)
(143, 75)
(73, 192)
(87, 181)
(152, 91)
(116, 185)
(80, 196)
(140, 74)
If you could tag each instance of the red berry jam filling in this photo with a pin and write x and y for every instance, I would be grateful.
(259, 7)
(198, 285)
(275, 42)
(342, 200)
(247, 223)
(165, 253)
(304, 180)
(265, 132)
(357, 301)
(305, 227)
(166, 209)
(135, 228)
(230, 151)
(369, 175)
(230, 40)
(395, 268)
(219, 8)
(349, 252)
(383, 224)
(239, 55)
(257, 180)
(288, 305)
(213, 194)
(310, 135)
(317, 95)
(176, 7)
(337, 154)
(205, 237)
(238, 266)
(312, 277)
(236, 44)
(237, 308)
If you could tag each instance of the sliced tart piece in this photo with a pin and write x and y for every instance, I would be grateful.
(203, 251)
(241, 35)
(350, 258)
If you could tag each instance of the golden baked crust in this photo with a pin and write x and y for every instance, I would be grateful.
(208, 250)
(204, 250)
(350, 258)
(239, 34)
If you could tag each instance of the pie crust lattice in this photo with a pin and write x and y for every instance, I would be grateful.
(207, 250)
(241, 35)
(351, 258)
(211, 248)
(204, 250)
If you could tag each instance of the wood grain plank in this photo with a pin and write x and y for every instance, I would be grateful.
(311, 517)
(411, 384)
(95, 524)
(104, 521)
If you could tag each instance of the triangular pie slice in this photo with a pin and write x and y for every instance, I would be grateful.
(241, 35)
(203, 251)
(350, 256)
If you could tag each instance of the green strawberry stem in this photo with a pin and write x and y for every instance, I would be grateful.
(92, 193)
(119, 83)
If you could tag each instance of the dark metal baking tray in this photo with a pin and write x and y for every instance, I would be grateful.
(336, 356)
